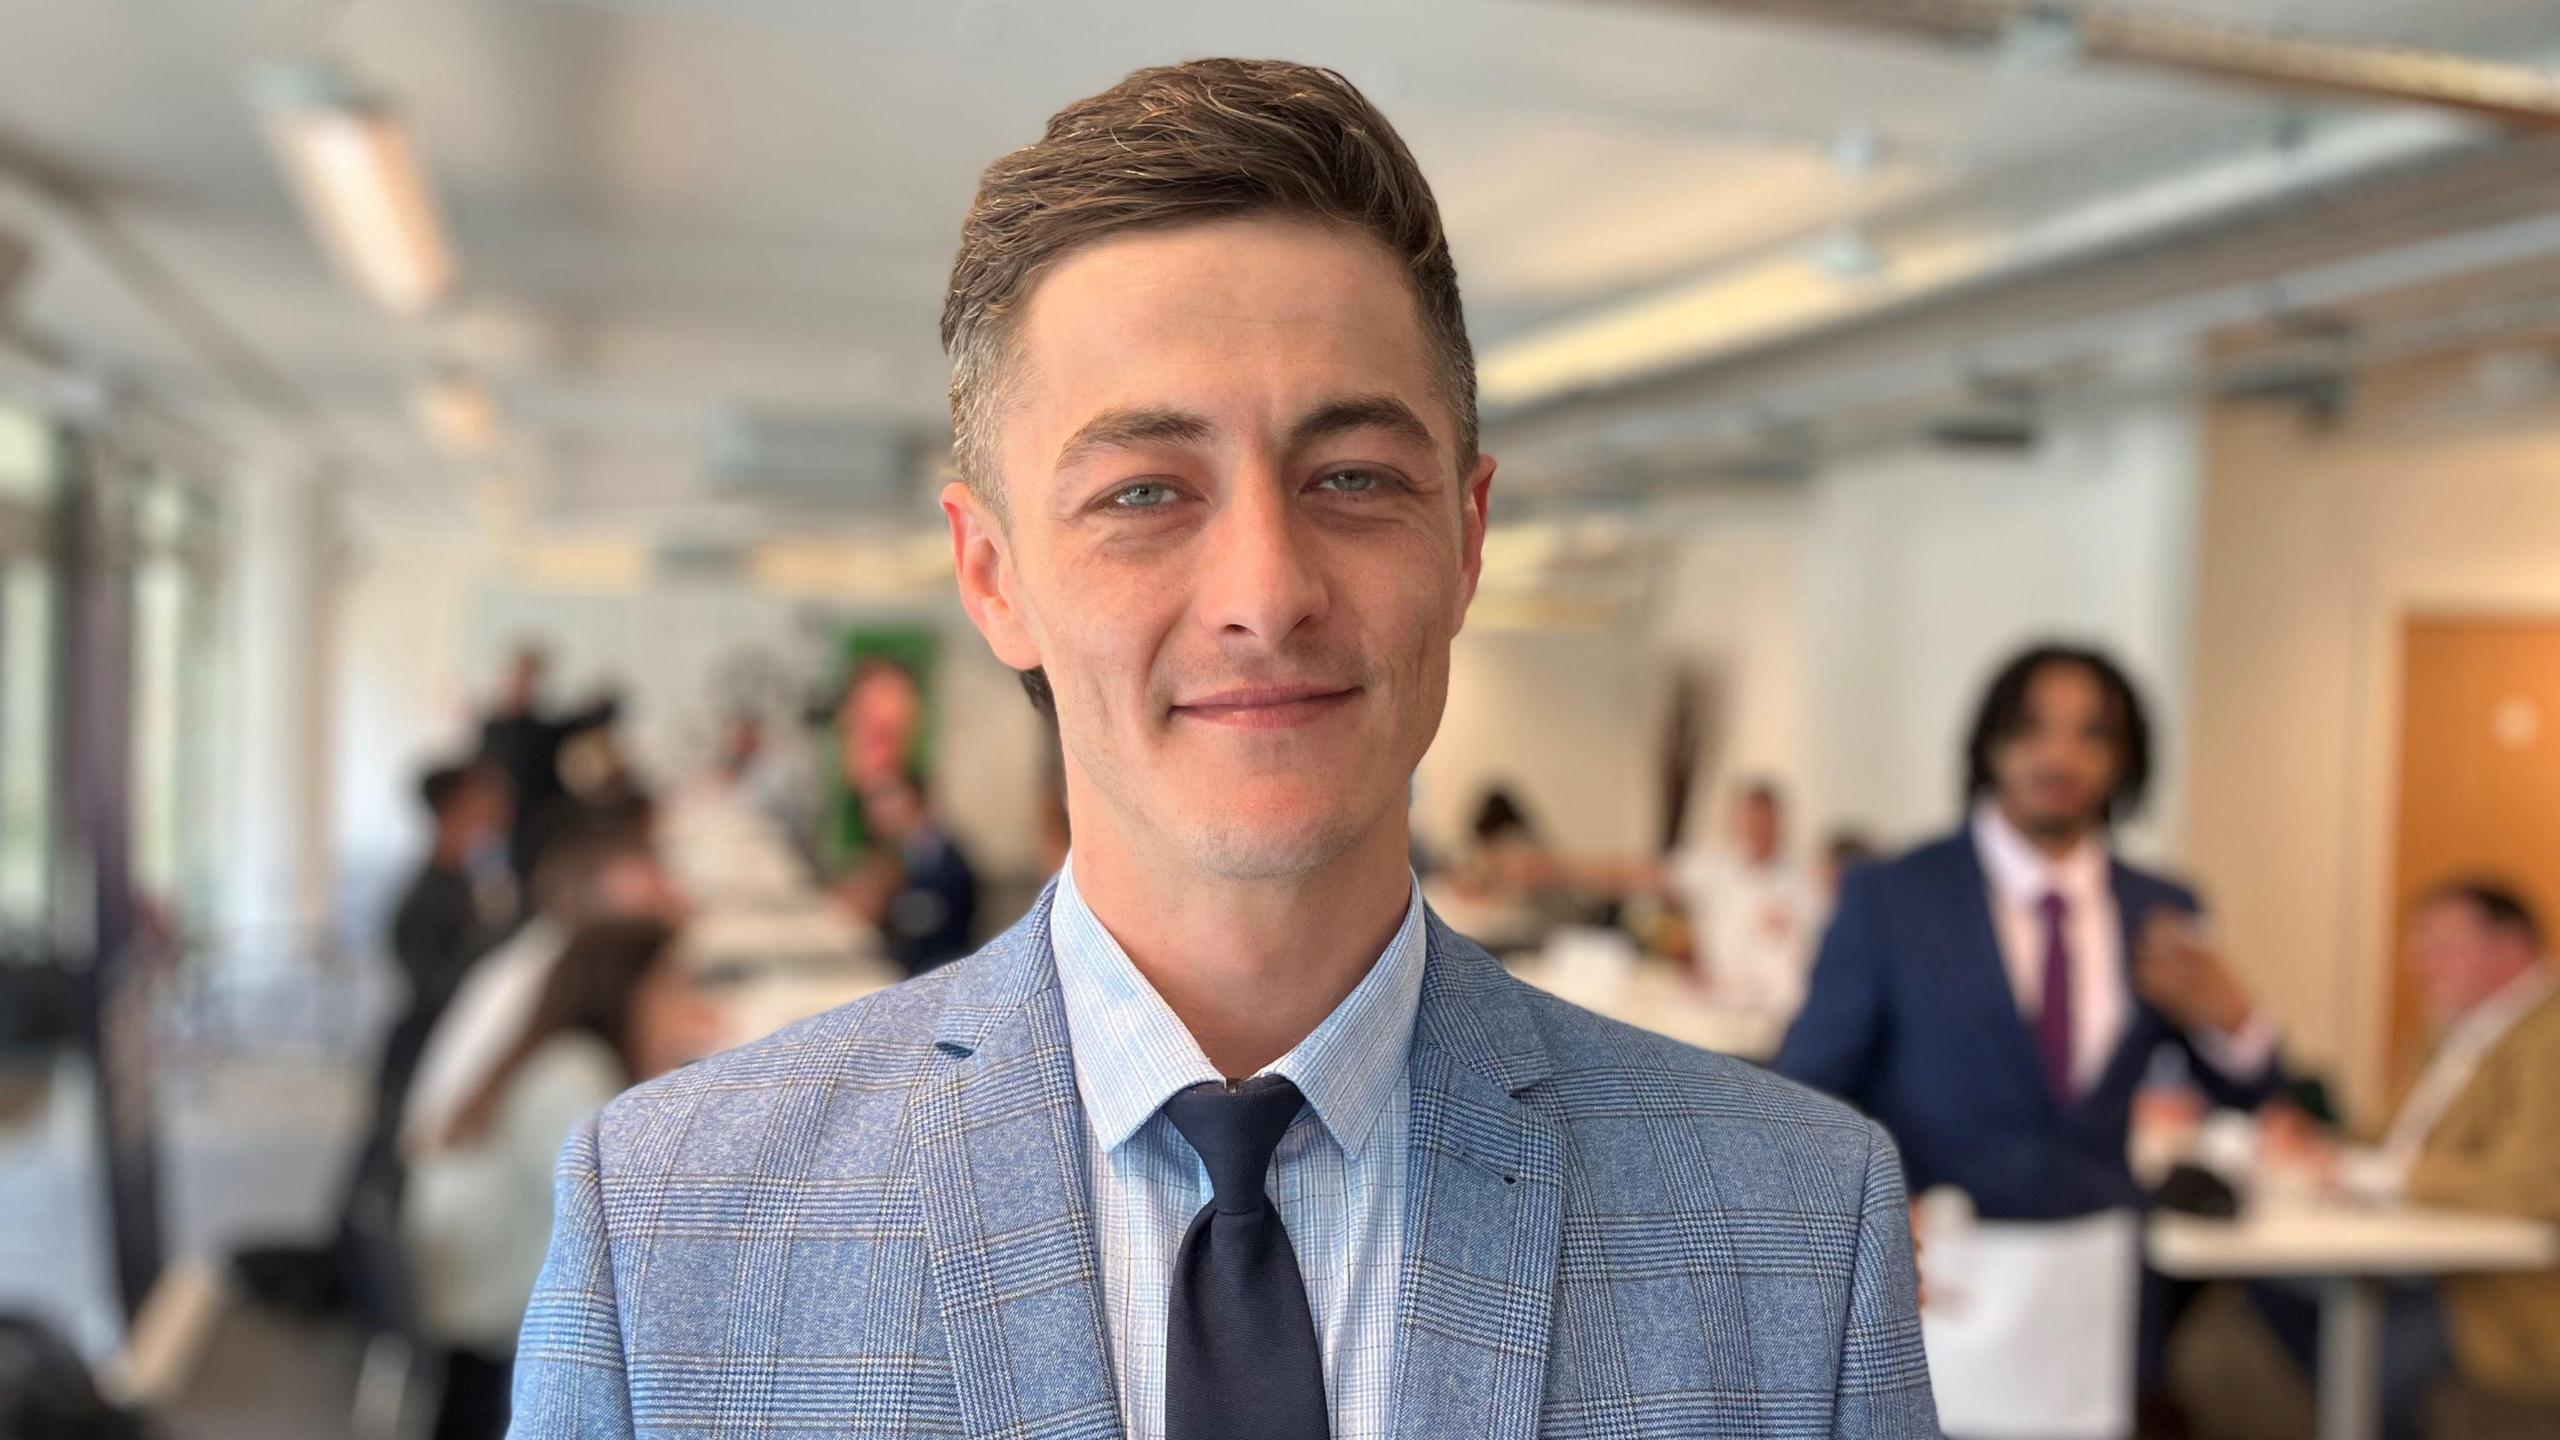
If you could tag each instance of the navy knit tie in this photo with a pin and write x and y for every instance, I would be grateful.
(1240, 1359)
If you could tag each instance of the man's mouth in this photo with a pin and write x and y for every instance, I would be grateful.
(1267, 707)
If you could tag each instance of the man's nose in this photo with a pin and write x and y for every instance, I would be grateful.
(1262, 576)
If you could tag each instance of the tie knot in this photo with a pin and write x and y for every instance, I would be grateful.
(1236, 1132)
(2053, 907)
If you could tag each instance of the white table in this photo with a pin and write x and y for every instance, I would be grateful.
(759, 1004)
(2350, 1252)
(1655, 996)
(812, 930)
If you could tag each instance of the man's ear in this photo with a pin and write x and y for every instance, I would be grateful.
(1474, 508)
(983, 561)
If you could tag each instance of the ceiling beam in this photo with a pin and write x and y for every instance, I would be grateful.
(2522, 96)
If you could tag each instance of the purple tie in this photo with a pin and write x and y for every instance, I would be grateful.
(2053, 1023)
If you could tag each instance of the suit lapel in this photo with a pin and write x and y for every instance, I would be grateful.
(1000, 1147)
(1484, 1207)
(1981, 971)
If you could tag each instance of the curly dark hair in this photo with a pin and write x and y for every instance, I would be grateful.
(2004, 713)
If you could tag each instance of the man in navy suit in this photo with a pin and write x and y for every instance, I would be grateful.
(1994, 997)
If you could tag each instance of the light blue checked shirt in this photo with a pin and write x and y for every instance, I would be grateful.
(1338, 1178)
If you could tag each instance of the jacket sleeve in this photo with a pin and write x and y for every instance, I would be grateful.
(1883, 1388)
(2223, 1088)
(569, 1367)
(1832, 1045)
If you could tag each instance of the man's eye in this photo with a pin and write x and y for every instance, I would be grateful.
(1145, 495)
(1350, 482)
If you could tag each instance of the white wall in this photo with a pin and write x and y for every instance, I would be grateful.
(1557, 717)
(272, 795)
(1732, 608)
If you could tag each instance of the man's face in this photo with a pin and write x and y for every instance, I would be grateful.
(2459, 958)
(881, 714)
(488, 805)
(524, 680)
(2054, 773)
(1236, 538)
(1758, 823)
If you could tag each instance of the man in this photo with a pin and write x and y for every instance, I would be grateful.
(918, 886)
(1753, 910)
(523, 741)
(1994, 997)
(602, 870)
(2479, 1131)
(1227, 1137)
(452, 912)
(878, 725)
(461, 899)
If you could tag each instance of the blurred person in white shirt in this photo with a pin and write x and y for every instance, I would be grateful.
(615, 1009)
(601, 871)
(1755, 913)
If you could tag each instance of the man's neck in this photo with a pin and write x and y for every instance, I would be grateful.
(1250, 967)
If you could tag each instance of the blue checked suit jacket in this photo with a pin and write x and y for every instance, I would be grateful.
(876, 1224)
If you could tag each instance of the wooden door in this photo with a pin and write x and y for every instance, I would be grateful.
(2479, 780)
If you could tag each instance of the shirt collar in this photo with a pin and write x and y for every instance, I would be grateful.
(1132, 1052)
(2489, 1021)
(2023, 874)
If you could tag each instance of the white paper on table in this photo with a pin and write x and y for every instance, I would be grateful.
(2030, 1327)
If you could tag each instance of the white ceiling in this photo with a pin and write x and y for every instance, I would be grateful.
(667, 206)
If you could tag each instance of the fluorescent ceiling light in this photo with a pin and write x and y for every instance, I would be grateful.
(362, 187)
(459, 415)
(596, 566)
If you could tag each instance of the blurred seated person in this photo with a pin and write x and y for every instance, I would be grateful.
(879, 729)
(615, 1010)
(597, 787)
(1507, 857)
(1508, 890)
(2479, 1131)
(1754, 913)
(603, 870)
(916, 885)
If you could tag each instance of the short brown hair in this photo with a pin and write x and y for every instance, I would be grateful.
(1180, 144)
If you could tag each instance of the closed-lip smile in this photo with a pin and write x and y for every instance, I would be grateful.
(1267, 707)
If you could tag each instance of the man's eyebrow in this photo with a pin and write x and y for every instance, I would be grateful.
(1125, 426)
(1359, 412)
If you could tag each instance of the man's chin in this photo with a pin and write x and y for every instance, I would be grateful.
(1260, 839)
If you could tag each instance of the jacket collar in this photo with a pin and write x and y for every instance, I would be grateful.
(1009, 1223)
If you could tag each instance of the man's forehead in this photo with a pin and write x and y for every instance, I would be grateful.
(1226, 307)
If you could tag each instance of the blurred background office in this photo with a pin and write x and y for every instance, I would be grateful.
(475, 630)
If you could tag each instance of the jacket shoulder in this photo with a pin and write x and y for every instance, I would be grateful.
(1760, 1139)
(845, 1073)
(2156, 887)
